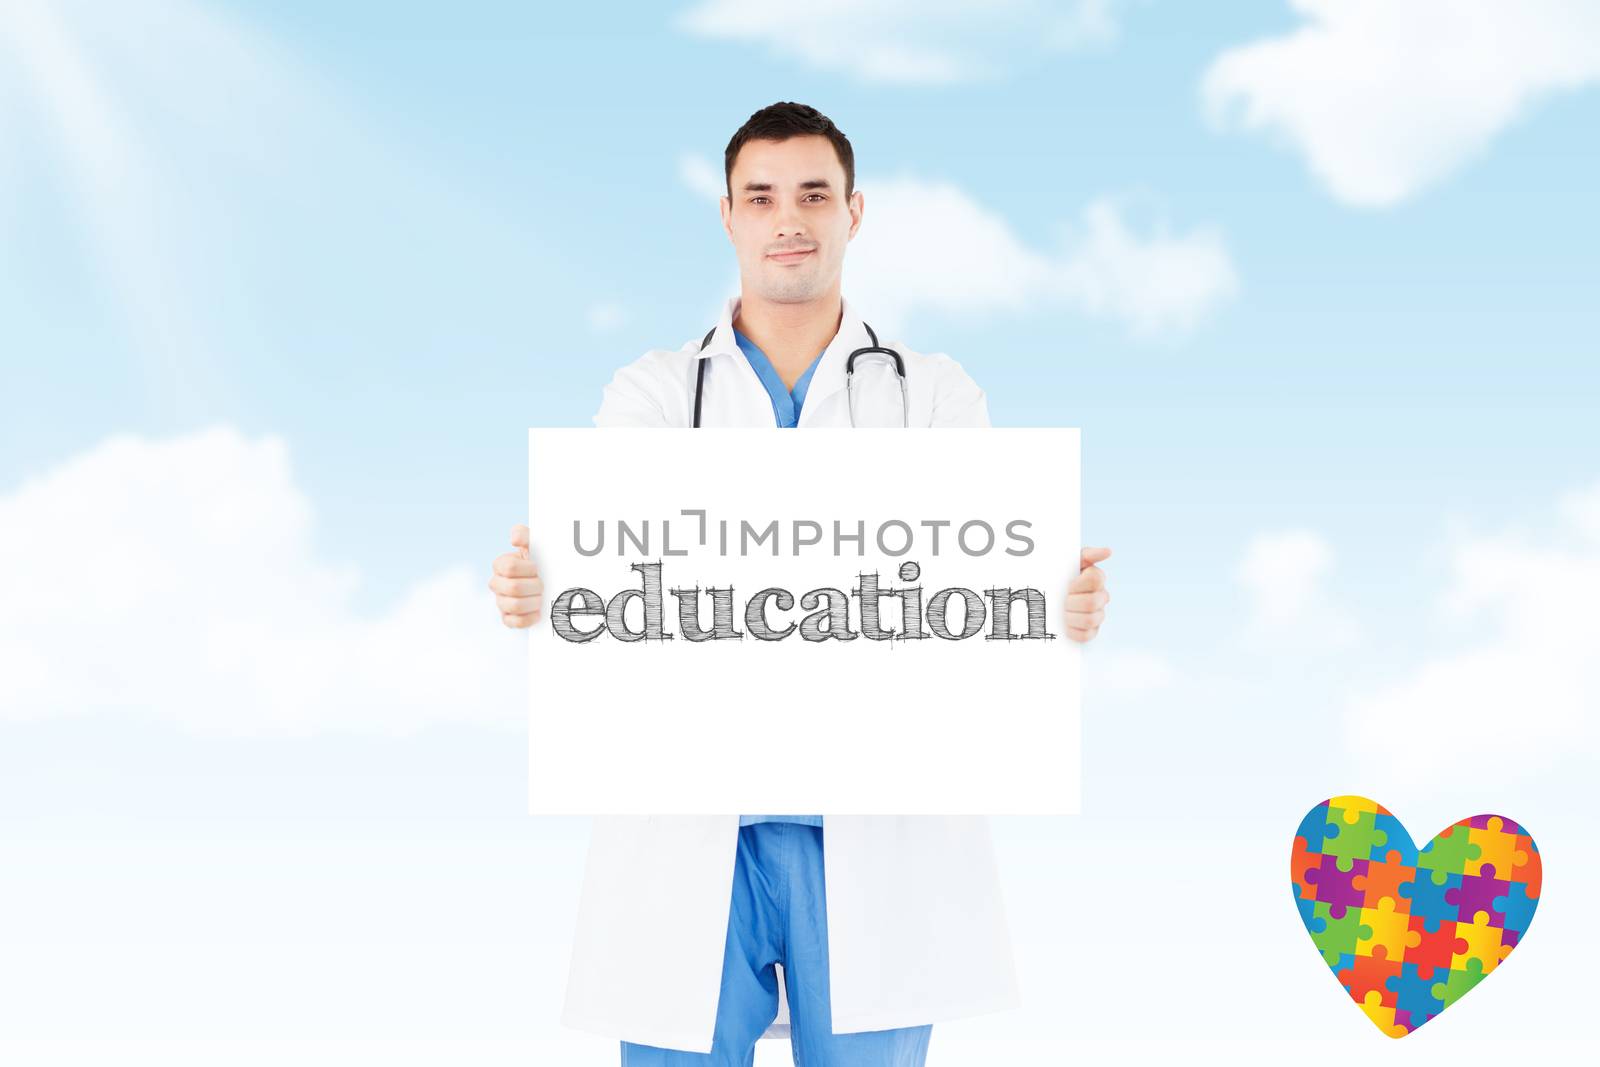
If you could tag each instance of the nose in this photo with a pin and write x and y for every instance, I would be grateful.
(789, 222)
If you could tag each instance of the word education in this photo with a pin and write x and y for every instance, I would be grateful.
(829, 617)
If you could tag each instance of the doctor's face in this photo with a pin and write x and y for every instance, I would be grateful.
(789, 219)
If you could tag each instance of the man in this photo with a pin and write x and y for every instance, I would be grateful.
(907, 928)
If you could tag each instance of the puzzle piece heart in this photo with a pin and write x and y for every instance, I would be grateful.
(1409, 932)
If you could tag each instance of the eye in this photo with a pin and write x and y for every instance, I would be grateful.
(819, 196)
(753, 199)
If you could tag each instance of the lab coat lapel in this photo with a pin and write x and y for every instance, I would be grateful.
(722, 340)
(828, 378)
(738, 398)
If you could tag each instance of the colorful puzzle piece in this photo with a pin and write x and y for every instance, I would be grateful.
(1354, 834)
(1448, 853)
(1407, 931)
(1414, 995)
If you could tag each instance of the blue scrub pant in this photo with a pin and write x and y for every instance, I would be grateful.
(778, 916)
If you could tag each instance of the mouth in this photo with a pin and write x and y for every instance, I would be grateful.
(790, 257)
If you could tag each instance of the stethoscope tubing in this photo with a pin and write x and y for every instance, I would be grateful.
(849, 377)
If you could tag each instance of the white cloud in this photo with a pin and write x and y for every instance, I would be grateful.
(1529, 681)
(1385, 99)
(177, 579)
(1155, 283)
(1285, 576)
(606, 316)
(908, 42)
(929, 245)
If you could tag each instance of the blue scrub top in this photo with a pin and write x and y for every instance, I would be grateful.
(786, 403)
(786, 406)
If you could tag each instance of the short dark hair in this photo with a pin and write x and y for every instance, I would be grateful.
(781, 121)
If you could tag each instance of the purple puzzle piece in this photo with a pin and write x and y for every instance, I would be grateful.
(1476, 893)
(1334, 886)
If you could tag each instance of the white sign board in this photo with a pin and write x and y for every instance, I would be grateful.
(819, 621)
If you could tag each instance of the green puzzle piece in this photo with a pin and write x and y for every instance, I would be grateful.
(1459, 982)
(1339, 936)
(1355, 840)
(1448, 854)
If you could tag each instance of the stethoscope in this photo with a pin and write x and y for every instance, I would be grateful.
(849, 377)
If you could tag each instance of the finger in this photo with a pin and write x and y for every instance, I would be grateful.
(1089, 579)
(1084, 624)
(517, 605)
(1083, 620)
(519, 536)
(517, 586)
(1086, 602)
(1077, 620)
(1093, 555)
(519, 622)
(509, 566)
(1082, 636)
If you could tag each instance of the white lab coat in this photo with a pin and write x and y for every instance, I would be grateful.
(917, 931)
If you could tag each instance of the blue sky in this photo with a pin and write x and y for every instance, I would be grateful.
(390, 282)
(1334, 364)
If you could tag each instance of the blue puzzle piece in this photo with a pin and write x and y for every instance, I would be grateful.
(1314, 827)
(1427, 899)
(1399, 841)
(1518, 907)
(1414, 995)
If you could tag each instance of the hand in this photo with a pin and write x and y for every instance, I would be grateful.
(1087, 596)
(518, 589)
